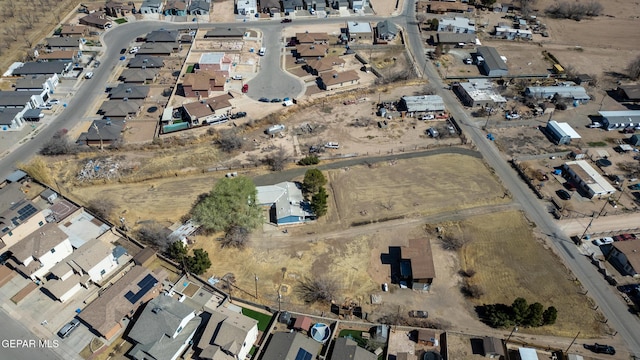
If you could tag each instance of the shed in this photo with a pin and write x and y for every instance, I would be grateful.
(16, 176)
(302, 323)
(634, 140)
(493, 65)
(284, 317)
(49, 195)
(380, 332)
(427, 337)
(493, 347)
(562, 133)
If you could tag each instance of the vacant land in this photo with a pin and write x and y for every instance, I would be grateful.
(511, 262)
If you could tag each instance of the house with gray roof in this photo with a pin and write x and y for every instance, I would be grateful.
(129, 92)
(290, 346)
(457, 25)
(575, 93)
(37, 83)
(166, 36)
(103, 132)
(347, 349)
(138, 76)
(229, 332)
(225, 33)
(43, 68)
(163, 330)
(286, 203)
(386, 30)
(64, 43)
(199, 7)
(152, 7)
(449, 38)
(12, 119)
(120, 109)
(145, 62)
(159, 49)
(492, 63)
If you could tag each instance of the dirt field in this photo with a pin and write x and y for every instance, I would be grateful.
(511, 262)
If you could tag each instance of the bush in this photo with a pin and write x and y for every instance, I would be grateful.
(472, 291)
(309, 160)
(236, 236)
(229, 141)
(321, 289)
(101, 207)
(59, 144)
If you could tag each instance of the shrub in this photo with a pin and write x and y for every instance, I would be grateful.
(309, 160)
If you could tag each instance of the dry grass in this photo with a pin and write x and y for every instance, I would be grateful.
(510, 262)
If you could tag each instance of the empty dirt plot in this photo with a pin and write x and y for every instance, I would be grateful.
(511, 262)
(422, 186)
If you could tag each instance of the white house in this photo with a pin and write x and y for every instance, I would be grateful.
(41, 250)
(247, 7)
(512, 34)
(229, 332)
(457, 25)
(286, 203)
(585, 176)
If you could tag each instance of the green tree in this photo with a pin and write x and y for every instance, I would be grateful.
(177, 251)
(319, 202)
(535, 316)
(520, 310)
(488, 2)
(231, 202)
(313, 180)
(434, 24)
(199, 262)
(550, 315)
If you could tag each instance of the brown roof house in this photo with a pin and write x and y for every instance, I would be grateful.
(117, 9)
(322, 65)
(202, 84)
(95, 20)
(624, 256)
(40, 251)
(208, 111)
(102, 132)
(347, 349)
(310, 51)
(332, 80)
(104, 315)
(59, 55)
(139, 76)
(312, 38)
(416, 264)
(228, 335)
(22, 216)
(74, 30)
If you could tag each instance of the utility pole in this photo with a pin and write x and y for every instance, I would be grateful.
(255, 277)
(95, 126)
(574, 340)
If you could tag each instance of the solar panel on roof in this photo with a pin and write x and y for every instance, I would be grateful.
(145, 285)
(303, 355)
(26, 212)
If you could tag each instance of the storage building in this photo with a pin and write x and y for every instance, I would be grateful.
(587, 178)
(492, 64)
(618, 120)
(562, 133)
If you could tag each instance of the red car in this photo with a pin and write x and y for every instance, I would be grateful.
(245, 88)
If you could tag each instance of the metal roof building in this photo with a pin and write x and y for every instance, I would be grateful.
(493, 64)
(422, 103)
(479, 92)
(588, 178)
(562, 133)
(576, 93)
(612, 120)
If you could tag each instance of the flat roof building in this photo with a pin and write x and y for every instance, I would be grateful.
(360, 31)
(586, 177)
(479, 92)
(612, 120)
(421, 103)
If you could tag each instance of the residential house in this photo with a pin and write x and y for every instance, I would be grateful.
(158, 49)
(506, 32)
(441, 7)
(152, 7)
(247, 7)
(22, 99)
(386, 30)
(340, 4)
(21, 215)
(208, 111)
(587, 178)
(312, 38)
(332, 80)
(310, 51)
(359, 31)
(456, 39)
(285, 202)
(612, 120)
(457, 25)
(199, 7)
(117, 9)
(104, 315)
(202, 84)
(217, 63)
(145, 62)
(39, 251)
(120, 109)
(421, 104)
(479, 92)
(175, 8)
(96, 21)
(624, 256)
(229, 33)
(59, 55)
(93, 261)
(270, 6)
(322, 65)
(74, 30)
(319, 5)
(492, 63)
(359, 5)
(416, 264)
(103, 132)
(90, 8)
(43, 68)
(163, 330)
(129, 92)
(562, 133)
(139, 76)
(12, 119)
(347, 349)
(64, 43)
(629, 92)
(37, 83)
(291, 345)
(291, 6)
(570, 92)
(228, 332)
(166, 36)
(493, 347)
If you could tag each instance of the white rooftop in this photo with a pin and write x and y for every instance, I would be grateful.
(482, 90)
(211, 58)
(567, 129)
(424, 103)
(358, 27)
(528, 354)
(595, 182)
(287, 198)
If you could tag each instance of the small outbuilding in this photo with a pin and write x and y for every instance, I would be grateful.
(634, 140)
(562, 133)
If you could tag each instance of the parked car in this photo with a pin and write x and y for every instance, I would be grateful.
(286, 20)
(88, 75)
(603, 241)
(68, 328)
(635, 187)
(236, 77)
(432, 132)
(601, 349)
(45, 107)
(245, 88)
(428, 117)
(563, 194)
(276, 100)
(263, 99)
(332, 145)
(238, 115)
(123, 51)
(594, 125)
(134, 49)
(53, 101)
(418, 314)
(624, 237)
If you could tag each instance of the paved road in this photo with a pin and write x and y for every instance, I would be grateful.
(12, 330)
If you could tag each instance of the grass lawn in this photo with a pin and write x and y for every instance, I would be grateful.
(120, 21)
(189, 69)
(263, 319)
(356, 335)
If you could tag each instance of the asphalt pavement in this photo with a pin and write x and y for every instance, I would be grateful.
(17, 342)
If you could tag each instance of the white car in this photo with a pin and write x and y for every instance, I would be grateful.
(88, 75)
(134, 50)
(236, 77)
(53, 101)
(428, 117)
(603, 241)
(332, 145)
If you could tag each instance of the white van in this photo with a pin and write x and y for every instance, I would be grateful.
(262, 51)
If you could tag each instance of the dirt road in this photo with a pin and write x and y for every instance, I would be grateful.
(600, 225)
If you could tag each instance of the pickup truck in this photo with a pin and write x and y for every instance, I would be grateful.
(418, 314)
